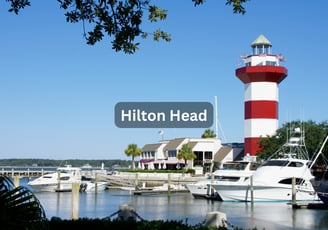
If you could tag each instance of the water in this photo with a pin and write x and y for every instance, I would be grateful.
(182, 206)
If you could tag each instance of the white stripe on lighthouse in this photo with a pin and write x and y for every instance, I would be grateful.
(261, 91)
(260, 127)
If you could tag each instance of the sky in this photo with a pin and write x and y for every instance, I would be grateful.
(58, 94)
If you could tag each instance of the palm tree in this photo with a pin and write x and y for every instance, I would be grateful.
(186, 153)
(133, 151)
(208, 133)
(19, 207)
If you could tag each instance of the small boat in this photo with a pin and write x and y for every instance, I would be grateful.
(165, 188)
(233, 172)
(90, 185)
(62, 180)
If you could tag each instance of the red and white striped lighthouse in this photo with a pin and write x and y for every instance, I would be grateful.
(261, 76)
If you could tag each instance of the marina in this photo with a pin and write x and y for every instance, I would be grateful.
(182, 206)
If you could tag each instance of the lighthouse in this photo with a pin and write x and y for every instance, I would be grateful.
(261, 76)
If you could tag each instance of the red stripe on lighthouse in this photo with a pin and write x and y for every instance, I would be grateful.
(261, 109)
(251, 145)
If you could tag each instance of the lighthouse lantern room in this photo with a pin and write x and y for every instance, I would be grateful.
(261, 75)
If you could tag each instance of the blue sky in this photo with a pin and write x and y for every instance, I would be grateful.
(57, 94)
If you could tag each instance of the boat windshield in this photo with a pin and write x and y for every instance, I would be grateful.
(235, 166)
(276, 163)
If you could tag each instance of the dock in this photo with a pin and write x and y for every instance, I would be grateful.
(25, 172)
(310, 205)
(147, 191)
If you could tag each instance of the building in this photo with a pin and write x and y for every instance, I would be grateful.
(261, 76)
(163, 155)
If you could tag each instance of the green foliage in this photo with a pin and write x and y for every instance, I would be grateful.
(186, 153)
(120, 20)
(19, 208)
(208, 133)
(17, 5)
(134, 151)
(99, 224)
(314, 136)
(237, 6)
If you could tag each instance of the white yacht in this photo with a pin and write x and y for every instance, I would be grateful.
(272, 181)
(235, 172)
(62, 180)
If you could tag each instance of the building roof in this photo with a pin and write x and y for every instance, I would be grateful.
(222, 153)
(261, 40)
(173, 144)
(192, 144)
(151, 147)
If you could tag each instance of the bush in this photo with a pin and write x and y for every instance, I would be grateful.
(100, 224)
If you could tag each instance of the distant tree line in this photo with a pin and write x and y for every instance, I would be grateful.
(31, 162)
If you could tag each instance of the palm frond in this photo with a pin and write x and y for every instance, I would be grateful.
(19, 207)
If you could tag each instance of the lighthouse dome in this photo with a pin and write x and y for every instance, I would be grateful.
(261, 45)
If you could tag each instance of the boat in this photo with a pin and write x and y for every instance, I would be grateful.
(320, 182)
(322, 191)
(232, 172)
(164, 188)
(285, 176)
(62, 180)
(91, 185)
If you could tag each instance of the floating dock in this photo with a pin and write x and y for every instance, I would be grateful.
(147, 191)
(313, 205)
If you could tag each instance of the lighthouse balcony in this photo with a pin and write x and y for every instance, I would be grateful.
(262, 73)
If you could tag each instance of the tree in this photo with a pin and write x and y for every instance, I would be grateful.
(19, 208)
(133, 151)
(208, 133)
(119, 19)
(186, 153)
(314, 136)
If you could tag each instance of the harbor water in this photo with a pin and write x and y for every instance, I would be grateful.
(183, 207)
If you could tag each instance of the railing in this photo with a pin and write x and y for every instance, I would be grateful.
(25, 172)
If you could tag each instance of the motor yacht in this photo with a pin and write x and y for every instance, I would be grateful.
(62, 180)
(235, 172)
(277, 179)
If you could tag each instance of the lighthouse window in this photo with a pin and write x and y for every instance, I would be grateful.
(267, 49)
(271, 63)
(261, 50)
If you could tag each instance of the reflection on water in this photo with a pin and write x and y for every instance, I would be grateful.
(182, 206)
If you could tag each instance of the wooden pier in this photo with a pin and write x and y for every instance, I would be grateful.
(147, 191)
(25, 172)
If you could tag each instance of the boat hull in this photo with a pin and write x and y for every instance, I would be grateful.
(323, 197)
(63, 187)
(203, 191)
(264, 193)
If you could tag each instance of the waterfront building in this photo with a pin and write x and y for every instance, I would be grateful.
(209, 153)
(261, 75)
